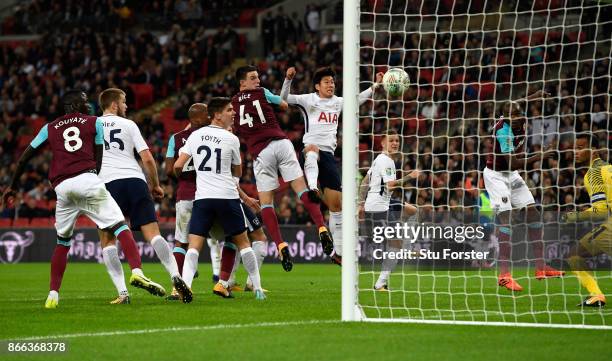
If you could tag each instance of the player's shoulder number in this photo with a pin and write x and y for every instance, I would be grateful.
(247, 118)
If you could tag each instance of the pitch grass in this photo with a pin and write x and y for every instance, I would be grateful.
(308, 293)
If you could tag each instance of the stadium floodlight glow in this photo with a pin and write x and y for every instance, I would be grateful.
(466, 64)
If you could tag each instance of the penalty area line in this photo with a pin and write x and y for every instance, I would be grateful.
(174, 329)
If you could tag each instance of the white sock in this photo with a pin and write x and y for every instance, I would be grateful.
(54, 295)
(311, 169)
(388, 266)
(137, 271)
(249, 260)
(190, 266)
(165, 255)
(215, 255)
(110, 255)
(259, 247)
(232, 277)
(382, 279)
(335, 226)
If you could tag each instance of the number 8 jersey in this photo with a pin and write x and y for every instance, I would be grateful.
(121, 139)
(214, 150)
(255, 121)
(72, 139)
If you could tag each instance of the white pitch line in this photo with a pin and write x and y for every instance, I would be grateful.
(174, 329)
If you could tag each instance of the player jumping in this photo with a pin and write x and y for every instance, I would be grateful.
(598, 183)
(255, 122)
(126, 182)
(216, 156)
(321, 111)
(508, 191)
(76, 141)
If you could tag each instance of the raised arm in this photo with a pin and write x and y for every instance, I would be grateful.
(286, 89)
(367, 94)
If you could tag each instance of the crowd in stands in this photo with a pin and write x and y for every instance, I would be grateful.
(461, 81)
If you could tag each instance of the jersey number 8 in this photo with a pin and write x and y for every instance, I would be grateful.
(247, 119)
(72, 141)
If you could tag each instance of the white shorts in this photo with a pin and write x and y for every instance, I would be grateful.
(84, 194)
(277, 156)
(183, 215)
(507, 190)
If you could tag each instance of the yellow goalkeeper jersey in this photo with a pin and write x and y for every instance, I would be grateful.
(598, 182)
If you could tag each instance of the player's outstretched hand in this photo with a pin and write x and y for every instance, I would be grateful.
(7, 197)
(290, 73)
(379, 77)
(157, 192)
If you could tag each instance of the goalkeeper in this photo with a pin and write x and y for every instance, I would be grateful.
(598, 182)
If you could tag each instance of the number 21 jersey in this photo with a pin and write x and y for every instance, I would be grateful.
(255, 122)
(214, 150)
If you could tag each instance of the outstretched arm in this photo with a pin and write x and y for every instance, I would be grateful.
(10, 191)
(285, 93)
(367, 94)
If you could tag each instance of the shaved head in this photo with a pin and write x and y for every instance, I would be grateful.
(198, 114)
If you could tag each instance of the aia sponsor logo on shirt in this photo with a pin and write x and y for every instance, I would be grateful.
(328, 117)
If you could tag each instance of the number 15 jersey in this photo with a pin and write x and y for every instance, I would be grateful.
(214, 150)
(255, 121)
(72, 140)
(121, 139)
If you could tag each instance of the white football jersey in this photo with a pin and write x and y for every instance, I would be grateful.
(381, 172)
(214, 150)
(321, 115)
(121, 138)
(321, 118)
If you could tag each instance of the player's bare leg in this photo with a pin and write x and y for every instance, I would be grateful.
(503, 232)
(311, 170)
(268, 214)
(299, 187)
(333, 200)
(534, 224)
(151, 234)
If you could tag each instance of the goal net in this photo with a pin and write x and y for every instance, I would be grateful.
(467, 60)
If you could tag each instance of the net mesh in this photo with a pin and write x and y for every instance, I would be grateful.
(466, 60)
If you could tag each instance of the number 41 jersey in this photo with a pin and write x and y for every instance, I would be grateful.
(121, 138)
(255, 122)
(72, 140)
(214, 150)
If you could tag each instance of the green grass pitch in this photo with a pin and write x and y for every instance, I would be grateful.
(298, 321)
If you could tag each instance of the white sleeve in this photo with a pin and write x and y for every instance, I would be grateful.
(388, 171)
(365, 95)
(236, 152)
(186, 148)
(139, 142)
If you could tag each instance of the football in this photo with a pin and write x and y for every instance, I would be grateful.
(396, 81)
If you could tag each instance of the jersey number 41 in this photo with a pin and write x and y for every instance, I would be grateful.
(247, 118)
